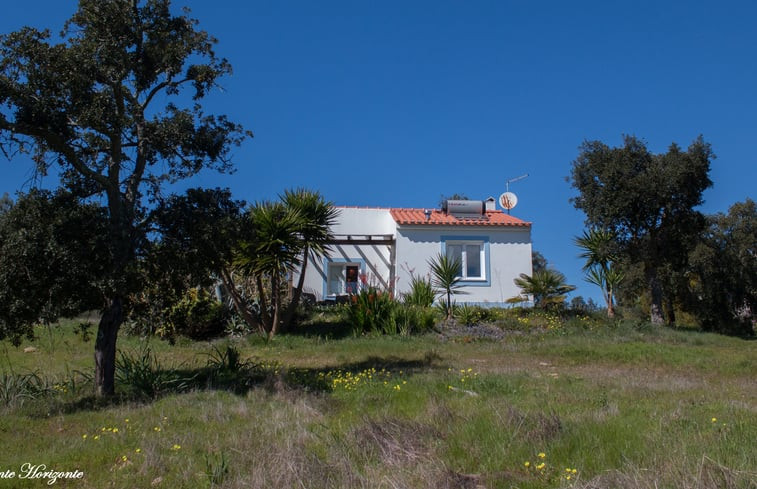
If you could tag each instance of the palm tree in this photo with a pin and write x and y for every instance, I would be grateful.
(445, 272)
(318, 216)
(598, 247)
(270, 255)
(546, 286)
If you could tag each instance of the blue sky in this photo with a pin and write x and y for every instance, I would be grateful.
(395, 103)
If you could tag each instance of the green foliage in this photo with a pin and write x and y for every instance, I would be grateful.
(144, 377)
(273, 252)
(53, 254)
(599, 249)
(421, 292)
(371, 310)
(538, 261)
(547, 287)
(647, 202)
(15, 389)
(197, 316)
(216, 468)
(104, 104)
(472, 314)
(723, 272)
(469, 315)
(226, 359)
(414, 319)
(317, 218)
(374, 311)
(196, 237)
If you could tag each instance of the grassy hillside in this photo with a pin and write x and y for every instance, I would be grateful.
(582, 404)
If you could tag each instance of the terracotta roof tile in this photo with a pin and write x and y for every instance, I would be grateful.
(418, 217)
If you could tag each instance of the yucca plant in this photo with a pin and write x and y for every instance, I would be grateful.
(445, 271)
(599, 251)
(317, 218)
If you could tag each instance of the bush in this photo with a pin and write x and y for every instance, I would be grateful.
(143, 376)
(371, 311)
(414, 319)
(468, 315)
(375, 311)
(197, 316)
(421, 292)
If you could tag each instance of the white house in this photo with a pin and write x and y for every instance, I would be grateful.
(387, 246)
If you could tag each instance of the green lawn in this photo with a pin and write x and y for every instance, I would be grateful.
(594, 406)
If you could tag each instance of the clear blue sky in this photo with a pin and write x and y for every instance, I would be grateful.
(395, 103)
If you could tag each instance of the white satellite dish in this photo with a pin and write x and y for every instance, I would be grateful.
(508, 200)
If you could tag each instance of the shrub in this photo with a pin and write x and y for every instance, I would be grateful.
(421, 292)
(144, 377)
(371, 311)
(197, 315)
(414, 319)
(468, 315)
(17, 388)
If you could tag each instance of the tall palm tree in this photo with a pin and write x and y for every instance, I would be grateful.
(546, 286)
(445, 275)
(317, 218)
(270, 255)
(599, 251)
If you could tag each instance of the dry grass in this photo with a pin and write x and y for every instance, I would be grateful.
(630, 419)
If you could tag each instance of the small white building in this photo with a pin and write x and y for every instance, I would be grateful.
(387, 246)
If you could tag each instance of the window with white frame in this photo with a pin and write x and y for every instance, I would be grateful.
(471, 256)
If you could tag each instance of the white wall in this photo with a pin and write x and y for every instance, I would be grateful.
(375, 259)
(361, 221)
(509, 256)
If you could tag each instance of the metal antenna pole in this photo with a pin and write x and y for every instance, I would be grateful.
(507, 185)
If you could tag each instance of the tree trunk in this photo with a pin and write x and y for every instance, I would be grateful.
(264, 316)
(276, 303)
(608, 300)
(655, 295)
(105, 348)
(239, 303)
(296, 294)
(671, 310)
